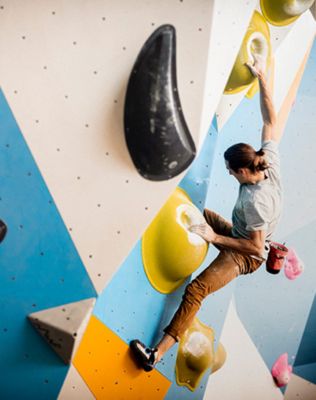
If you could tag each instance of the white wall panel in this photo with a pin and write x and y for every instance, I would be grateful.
(244, 375)
(64, 67)
(300, 389)
(74, 388)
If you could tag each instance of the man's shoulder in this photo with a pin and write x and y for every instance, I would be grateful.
(258, 193)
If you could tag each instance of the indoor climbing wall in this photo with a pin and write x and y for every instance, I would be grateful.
(97, 252)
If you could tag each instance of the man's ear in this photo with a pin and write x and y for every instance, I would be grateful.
(242, 171)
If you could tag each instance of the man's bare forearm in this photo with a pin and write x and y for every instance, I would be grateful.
(246, 246)
(270, 123)
(266, 102)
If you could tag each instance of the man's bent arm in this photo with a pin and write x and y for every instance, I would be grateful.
(252, 246)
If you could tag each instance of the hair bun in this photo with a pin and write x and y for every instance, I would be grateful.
(260, 152)
(260, 163)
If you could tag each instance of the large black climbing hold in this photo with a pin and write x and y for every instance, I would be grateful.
(156, 133)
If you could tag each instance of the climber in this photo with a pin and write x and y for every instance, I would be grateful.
(243, 244)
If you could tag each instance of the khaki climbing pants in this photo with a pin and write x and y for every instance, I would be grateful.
(226, 266)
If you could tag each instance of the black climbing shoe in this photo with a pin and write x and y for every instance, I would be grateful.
(146, 356)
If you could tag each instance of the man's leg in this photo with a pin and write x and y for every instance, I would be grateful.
(220, 272)
(227, 266)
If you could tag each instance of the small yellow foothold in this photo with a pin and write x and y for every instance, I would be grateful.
(256, 42)
(170, 251)
(195, 354)
(284, 12)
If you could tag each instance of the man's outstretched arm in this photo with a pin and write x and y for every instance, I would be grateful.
(270, 130)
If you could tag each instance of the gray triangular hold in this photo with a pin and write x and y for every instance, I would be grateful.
(63, 327)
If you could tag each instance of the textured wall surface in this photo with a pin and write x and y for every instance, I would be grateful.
(69, 61)
(77, 209)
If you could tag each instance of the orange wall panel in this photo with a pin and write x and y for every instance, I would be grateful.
(105, 363)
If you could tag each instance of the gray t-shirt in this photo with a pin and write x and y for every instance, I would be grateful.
(258, 206)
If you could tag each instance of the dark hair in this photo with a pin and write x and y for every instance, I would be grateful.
(242, 155)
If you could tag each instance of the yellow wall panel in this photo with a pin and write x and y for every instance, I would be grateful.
(104, 362)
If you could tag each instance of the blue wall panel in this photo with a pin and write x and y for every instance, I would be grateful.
(40, 268)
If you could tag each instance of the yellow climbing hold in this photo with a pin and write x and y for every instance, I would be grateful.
(195, 354)
(253, 89)
(219, 359)
(284, 12)
(256, 42)
(170, 251)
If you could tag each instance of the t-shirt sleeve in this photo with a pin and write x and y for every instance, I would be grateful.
(271, 151)
(256, 215)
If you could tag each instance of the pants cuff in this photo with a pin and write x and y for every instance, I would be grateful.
(171, 333)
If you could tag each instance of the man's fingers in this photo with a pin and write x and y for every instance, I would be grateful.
(197, 228)
(259, 59)
(252, 69)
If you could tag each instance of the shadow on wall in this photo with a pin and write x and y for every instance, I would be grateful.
(305, 361)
